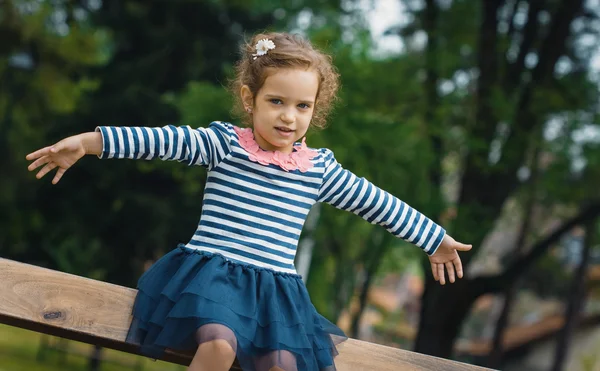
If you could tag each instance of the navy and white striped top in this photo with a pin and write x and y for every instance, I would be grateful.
(254, 213)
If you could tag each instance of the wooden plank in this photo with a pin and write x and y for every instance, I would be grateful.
(95, 312)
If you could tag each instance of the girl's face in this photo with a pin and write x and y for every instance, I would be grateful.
(283, 108)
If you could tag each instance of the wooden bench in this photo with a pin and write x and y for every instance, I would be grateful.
(98, 313)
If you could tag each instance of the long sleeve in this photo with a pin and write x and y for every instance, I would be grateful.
(201, 146)
(344, 190)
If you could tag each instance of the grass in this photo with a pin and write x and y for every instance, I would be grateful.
(19, 350)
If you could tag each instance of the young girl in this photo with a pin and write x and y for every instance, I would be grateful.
(232, 290)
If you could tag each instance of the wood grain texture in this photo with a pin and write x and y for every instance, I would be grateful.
(97, 312)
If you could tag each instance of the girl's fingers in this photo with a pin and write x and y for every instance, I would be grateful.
(458, 267)
(39, 162)
(462, 247)
(57, 147)
(47, 151)
(39, 153)
(434, 271)
(58, 175)
(49, 166)
(450, 270)
(440, 271)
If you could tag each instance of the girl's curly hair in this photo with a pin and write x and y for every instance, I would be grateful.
(290, 51)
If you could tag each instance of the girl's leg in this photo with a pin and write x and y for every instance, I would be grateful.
(216, 349)
(214, 355)
(279, 360)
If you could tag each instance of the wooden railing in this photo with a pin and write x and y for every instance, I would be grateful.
(98, 313)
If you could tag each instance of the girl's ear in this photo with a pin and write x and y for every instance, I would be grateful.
(247, 97)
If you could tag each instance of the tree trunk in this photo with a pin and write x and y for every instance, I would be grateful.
(362, 303)
(576, 299)
(474, 183)
(342, 292)
(442, 317)
(372, 260)
(95, 358)
(431, 91)
(495, 356)
(497, 351)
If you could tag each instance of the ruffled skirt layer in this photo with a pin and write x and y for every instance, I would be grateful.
(266, 316)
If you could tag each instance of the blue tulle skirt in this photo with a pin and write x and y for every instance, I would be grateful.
(266, 316)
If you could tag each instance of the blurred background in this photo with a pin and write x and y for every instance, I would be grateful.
(481, 114)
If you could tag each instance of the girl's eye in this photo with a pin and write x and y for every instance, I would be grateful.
(303, 105)
(276, 101)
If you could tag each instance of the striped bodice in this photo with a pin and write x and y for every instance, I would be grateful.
(254, 213)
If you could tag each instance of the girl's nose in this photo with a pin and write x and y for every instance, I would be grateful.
(288, 117)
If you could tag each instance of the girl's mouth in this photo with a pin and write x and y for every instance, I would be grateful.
(284, 131)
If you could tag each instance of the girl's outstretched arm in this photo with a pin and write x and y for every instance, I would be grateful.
(201, 146)
(64, 154)
(344, 190)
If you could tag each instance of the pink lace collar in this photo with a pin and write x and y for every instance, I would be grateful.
(299, 159)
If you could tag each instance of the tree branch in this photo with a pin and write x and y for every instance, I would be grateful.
(511, 22)
(554, 43)
(576, 299)
(497, 283)
(530, 33)
(11, 34)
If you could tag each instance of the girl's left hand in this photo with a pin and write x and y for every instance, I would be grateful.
(447, 256)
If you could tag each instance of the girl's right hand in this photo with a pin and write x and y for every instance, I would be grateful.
(63, 155)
